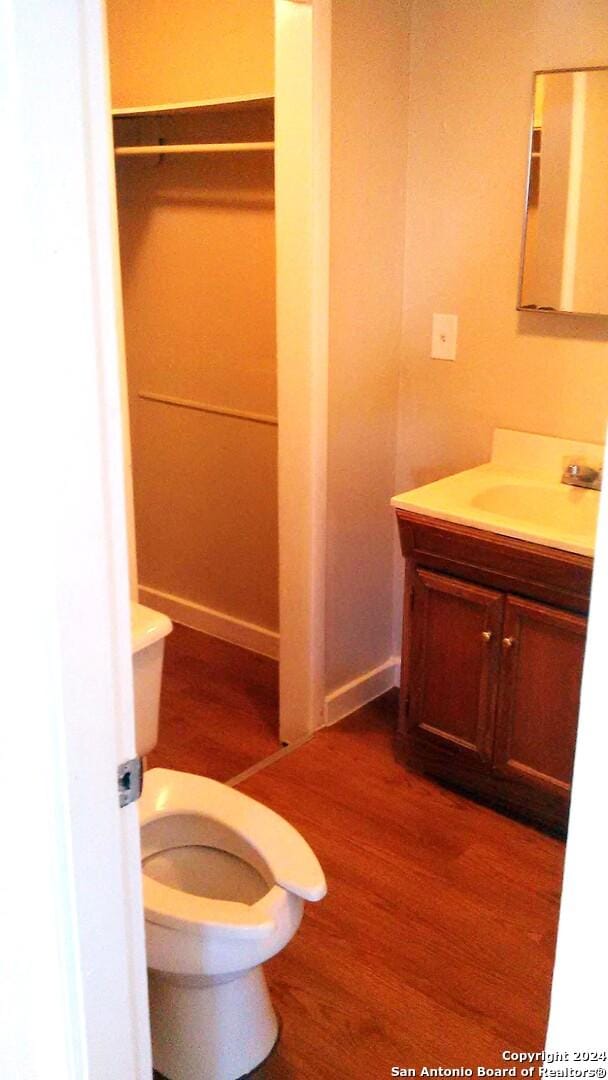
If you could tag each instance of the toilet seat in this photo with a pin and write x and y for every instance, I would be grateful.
(199, 915)
(180, 810)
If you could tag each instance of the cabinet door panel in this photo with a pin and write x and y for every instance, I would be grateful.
(539, 694)
(455, 652)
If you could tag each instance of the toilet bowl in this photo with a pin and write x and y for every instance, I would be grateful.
(224, 884)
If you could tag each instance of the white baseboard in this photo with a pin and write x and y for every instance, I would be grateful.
(353, 695)
(249, 636)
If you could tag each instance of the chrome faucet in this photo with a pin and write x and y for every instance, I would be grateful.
(583, 476)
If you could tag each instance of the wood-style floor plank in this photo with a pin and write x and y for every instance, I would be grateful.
(219, 709)
(435, 943)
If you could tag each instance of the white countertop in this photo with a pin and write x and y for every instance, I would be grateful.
(518, 493)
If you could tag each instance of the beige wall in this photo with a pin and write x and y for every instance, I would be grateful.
(189, 49)
(471, 69)
(198, 267)
(464, 135)
(369, 130)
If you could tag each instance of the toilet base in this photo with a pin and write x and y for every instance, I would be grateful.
(219, 1031)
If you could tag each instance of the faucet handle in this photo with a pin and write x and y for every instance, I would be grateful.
(582, 475)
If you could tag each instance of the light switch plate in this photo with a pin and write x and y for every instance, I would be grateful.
(445, 333)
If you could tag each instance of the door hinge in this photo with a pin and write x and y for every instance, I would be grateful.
(130, 781)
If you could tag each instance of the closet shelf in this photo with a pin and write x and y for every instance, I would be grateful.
(229, 104)
(217, 410)
(194, 148)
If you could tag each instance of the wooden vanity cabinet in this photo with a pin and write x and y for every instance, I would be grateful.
(493, 642)
(454, 629)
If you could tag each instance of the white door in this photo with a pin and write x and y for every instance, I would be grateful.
(579, 999)
(73, 995)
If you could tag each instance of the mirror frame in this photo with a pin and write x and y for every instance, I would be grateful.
(522, 254)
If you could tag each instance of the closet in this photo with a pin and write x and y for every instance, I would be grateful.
(193, 120)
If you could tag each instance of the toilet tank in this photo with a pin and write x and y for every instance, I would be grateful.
(148, 632)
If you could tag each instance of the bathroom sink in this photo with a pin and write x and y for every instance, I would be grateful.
(518, 493)
(568, 509)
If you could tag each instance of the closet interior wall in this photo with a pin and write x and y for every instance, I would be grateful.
(197, 240)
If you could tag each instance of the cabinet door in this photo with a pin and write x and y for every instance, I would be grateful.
(539, 696)
(454, 657)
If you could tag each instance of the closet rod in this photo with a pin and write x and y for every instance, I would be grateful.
(194, 148)
(199, 406)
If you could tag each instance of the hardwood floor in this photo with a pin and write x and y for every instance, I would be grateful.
(435, 943)
(219, 709)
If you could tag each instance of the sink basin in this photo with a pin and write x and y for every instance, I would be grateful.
(566, 509)
(512, 503)
(518, 493)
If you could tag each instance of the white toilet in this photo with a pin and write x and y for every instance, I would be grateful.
(224, 884)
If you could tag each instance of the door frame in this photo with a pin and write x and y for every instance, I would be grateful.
(302, 63)
(71, 926)
(302, 170)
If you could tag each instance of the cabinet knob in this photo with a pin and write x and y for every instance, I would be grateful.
(486, 635)
(508, 642)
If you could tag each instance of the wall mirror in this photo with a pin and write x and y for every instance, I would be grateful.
(564, 264)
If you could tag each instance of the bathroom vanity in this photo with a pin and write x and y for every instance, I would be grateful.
(498, 565)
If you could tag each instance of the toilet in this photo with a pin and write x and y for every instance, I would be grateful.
(224, 884)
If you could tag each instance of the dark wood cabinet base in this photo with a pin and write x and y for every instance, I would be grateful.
(493, 643)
